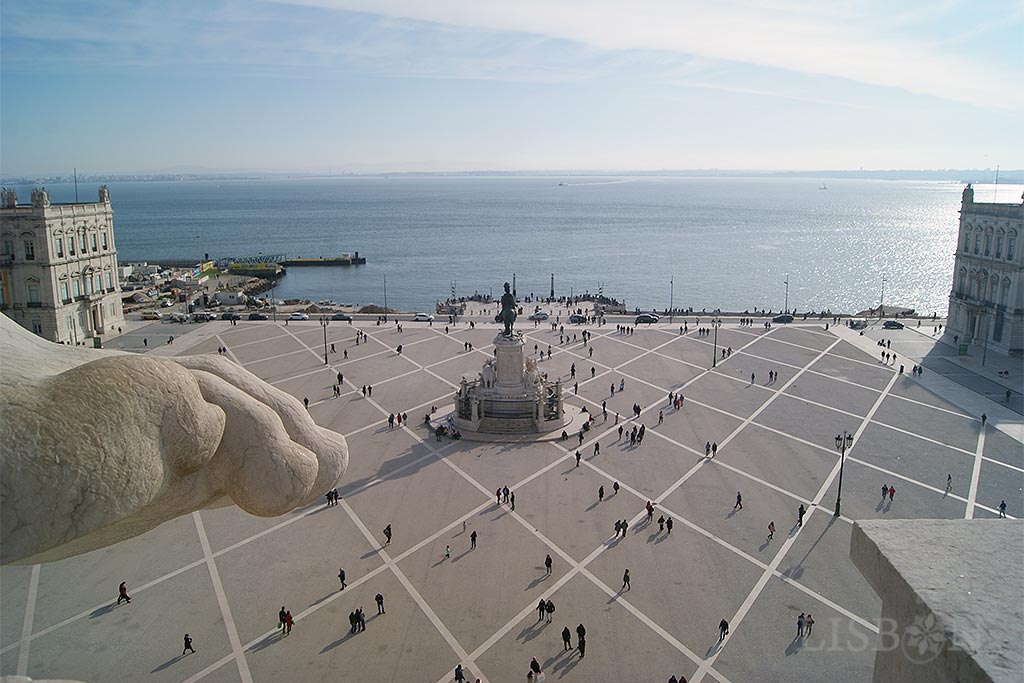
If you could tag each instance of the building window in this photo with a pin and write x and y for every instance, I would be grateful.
(92, 238)
(103, 240)
(30, 250)
(1010, 244)
(988, 245)
(8, 248)
(60, 247)
(76, 287)
(37, 328)
(33, 293)
(999, 246)
(112, 311)
(977, 243)
(64, 291)
(110, 283)
(99, 282)
(88, 285)
(71, 246)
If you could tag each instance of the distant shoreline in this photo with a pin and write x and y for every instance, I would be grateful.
(976, 176)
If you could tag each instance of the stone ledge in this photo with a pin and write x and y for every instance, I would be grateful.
(952, 592)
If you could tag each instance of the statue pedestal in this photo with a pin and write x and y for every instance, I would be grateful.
(509, 363)
(511, 396)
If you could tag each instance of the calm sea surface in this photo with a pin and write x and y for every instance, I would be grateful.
(727, 243)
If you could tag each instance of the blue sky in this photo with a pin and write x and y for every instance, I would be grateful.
(393, 85)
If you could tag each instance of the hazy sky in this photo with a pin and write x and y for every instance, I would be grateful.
(371, 85)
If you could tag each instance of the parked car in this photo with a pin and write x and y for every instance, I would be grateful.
(858, 324)
(539, 315)
(151, 315)
(204, 316)
(646, 318)
(166, 303)
(784, 318)
(577, 318)
(259, 316)
(341, 316)
(230, 315)
(298, 315)
(423, 317)
(178, 317)
(892, 325)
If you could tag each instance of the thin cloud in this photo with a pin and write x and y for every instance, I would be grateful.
(857, 41)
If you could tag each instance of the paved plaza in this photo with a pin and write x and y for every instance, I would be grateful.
(222, 575)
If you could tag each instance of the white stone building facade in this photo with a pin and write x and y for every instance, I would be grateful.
(986, 304)
(58, 267)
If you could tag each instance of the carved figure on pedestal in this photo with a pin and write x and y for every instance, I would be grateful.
(104, 195)
(100, 445)
(508, 310)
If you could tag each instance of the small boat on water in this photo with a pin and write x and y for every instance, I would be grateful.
(823, 187)
(562, 184)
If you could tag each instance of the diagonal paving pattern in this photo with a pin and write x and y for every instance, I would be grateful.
(652, 353)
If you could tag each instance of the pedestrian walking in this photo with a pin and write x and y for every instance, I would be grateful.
(380, 603)
(288, 623)
(600, 493)
(341, 577)
(624, 526)
(547, 564)
(800, 623)
(949, 483)
(771, 530)
(459, 676)
(661, 524)
(714, 449)
(800, 515)
(615, 487)
(668, 525)
(549, 609)
(808, 623)
(1002, 509)
(387, 535)
(305, 402)
(618, 528)
(582, 647)
(885, 491)
(578, 458)
(512, 499)
(188, 646)
(723, 630)
(472, 540)
(892, 492)
(739, 502)
(542, 607)
(625, 580)
(122, 593)
(566, 639)
(447, 552)
(597, 448)
(280, 617)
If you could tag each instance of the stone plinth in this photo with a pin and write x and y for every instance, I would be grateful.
(951, 590)
(509, 362)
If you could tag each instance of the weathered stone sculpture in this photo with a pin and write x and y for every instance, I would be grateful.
(98, 446)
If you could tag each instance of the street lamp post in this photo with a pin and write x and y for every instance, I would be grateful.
(715, 323)
(671, 293)
(843, 442)
(983, 318)
(324, 322)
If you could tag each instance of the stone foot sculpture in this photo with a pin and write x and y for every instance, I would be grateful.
(97, 446)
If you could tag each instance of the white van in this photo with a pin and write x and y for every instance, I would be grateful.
(858, 324)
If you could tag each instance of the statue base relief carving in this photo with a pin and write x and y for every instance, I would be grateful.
(101, 445)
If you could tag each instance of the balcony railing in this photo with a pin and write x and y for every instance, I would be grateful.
(34, 304)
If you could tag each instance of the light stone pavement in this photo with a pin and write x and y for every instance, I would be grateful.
(221, 575)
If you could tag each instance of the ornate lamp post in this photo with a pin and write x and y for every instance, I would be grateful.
(715, 323)
(843, 442)
(324, 322)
